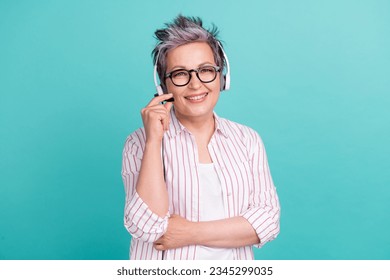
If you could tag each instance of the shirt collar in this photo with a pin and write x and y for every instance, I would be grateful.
(220, 126)
(175, 127)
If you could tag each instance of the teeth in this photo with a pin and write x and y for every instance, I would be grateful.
(198, 97)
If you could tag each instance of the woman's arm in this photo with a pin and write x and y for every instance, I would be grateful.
(146, 208)
(226, 233)
(151, 186)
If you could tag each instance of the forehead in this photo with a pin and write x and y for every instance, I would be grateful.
(190, 55)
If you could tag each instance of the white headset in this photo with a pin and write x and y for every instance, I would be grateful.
(225, 80)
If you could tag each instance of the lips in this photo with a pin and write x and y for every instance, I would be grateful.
(196, 97)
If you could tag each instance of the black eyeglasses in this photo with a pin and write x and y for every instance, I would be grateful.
(181, 77)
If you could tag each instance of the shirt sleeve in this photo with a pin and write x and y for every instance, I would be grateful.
(264, 210)
(139, 220)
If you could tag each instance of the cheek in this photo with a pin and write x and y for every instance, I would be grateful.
(175, 91)
(216, 85)
(171, 88)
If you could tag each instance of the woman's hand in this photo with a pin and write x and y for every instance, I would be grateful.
(156, 118)
(178, 234)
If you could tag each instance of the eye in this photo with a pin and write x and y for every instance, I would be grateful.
(179, 74)
(206, 70)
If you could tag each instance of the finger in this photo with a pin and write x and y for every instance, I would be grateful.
(154, 113)
(159, 247)
(167, 120)
(159, 99)
(154, 110)
(168, 106)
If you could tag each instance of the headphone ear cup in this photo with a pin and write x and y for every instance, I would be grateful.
(222, 81)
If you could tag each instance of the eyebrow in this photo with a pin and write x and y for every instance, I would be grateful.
(179, 67)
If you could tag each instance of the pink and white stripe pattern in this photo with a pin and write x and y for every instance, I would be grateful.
(241, 162)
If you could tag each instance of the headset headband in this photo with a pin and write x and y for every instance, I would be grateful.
(158, 87)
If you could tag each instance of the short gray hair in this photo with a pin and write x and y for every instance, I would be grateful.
(181, 31)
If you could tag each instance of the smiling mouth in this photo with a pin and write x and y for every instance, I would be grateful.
(196, 97)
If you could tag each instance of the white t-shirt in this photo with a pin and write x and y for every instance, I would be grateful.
(211, 208)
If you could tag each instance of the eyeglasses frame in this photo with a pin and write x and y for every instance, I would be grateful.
(169, 74)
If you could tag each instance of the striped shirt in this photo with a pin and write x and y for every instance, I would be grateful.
(238, 154)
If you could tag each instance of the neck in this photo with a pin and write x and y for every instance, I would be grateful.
(204, 125)
(202, 128)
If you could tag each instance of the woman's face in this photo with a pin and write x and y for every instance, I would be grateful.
(196, 100)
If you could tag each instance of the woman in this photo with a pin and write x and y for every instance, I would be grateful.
(197, 186)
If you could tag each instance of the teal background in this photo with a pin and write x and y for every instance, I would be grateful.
(312, 77)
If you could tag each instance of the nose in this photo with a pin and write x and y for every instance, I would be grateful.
(194, 83)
